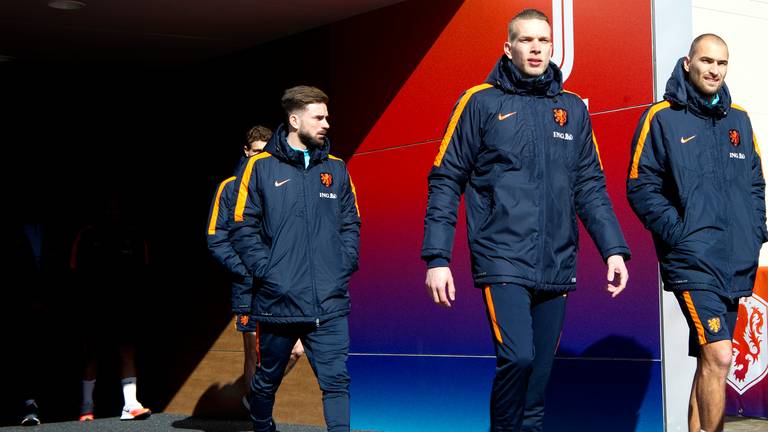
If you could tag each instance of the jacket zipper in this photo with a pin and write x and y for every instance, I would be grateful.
(720, 167)
(538, 147)
(311, 246)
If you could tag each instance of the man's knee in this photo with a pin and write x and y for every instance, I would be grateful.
(717, 355)
(265, 383)
(335, 382)
(508, 361)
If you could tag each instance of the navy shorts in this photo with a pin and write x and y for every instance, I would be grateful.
(245, 323)
(710, 317)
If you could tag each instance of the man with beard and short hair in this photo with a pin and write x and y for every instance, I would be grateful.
(220, 245)
(296, 228)
(522, 152)
(696, 183)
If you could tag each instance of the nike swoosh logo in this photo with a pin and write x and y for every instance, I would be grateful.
(685, 140)
(278, 184)
(502, 117)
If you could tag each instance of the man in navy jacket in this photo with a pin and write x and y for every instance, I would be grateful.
(220, 245)
(696, 182)
(523, 153)
(297, 229)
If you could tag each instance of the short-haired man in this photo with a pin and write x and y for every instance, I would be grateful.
(523, 153)
(297, 229)
(696, 183)
(220, 245)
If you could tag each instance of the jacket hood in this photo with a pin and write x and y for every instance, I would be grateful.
(278, 147)
(506, 76)
(680, 91)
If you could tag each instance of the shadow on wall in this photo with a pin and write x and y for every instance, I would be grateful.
(222, 402)
(577, 401)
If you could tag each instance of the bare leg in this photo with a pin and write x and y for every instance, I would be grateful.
(710, 384)
(127, 361)
(694, 423)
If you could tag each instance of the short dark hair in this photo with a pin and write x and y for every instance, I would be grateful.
(258, 133)
(296, 98)
(700, 38)
(525, 14)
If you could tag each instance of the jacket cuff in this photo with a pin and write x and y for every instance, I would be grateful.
(433, 262)
(619, 250)
(241, 309)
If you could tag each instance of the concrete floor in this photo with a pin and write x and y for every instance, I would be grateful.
(741, 424)
(158, 422)
(165, 422)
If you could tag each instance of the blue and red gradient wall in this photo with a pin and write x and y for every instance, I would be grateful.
(393, 76)
(417, 366)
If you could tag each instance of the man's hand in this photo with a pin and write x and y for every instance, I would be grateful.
(438, 278)
(616, 267)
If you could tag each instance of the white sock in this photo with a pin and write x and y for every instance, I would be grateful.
(129, 392)
(88, 386)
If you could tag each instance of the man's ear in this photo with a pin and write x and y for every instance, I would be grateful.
(293, 120)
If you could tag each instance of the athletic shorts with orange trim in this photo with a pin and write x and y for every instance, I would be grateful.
(710, 317)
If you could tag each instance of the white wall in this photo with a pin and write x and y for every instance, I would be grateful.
(744, 26)
(671, 39)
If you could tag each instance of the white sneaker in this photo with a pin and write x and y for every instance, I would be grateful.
(135, 413)
(31, 418)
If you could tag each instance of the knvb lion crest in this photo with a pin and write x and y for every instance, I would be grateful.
(560, 115)
(714, 324)
(750, 362)
(326, 179)
(734, 137)
(244, 320)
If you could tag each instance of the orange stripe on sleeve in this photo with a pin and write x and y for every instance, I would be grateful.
(354, 193)
(215, 211)
(757, 146)
(643, 135)
(242, 192)
(695, 318)
(492, 313)
(597, 150)
(455, 119)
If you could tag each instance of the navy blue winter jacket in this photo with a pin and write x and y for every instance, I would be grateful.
(220, 244)
(297, 231)
(523, 153)
(695, 181)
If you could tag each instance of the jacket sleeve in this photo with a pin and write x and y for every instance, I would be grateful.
(246, 230)
(218, 229)
(593, 204)
(646, 183)
(447, 180)
(350, 223)
(758, 190)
